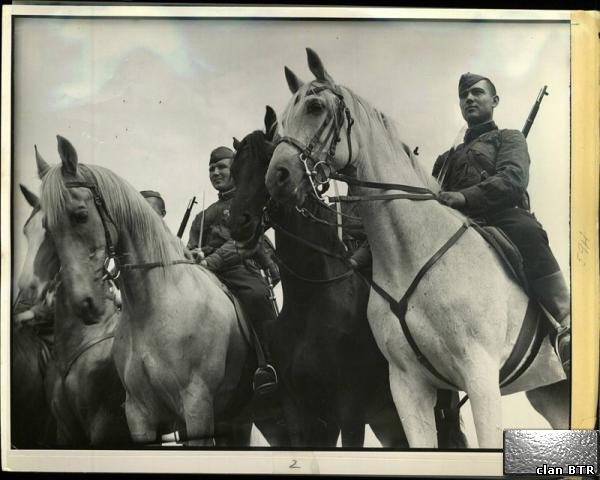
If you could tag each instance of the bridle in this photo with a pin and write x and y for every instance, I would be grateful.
(111, 268)
(321, 170)
(266, 221)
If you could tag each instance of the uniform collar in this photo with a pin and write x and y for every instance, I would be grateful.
(227, 195)
(474, 132)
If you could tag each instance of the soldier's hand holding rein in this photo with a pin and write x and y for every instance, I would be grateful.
(452, 199)
(198, 256)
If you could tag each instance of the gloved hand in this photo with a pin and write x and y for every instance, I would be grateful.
(452, 199)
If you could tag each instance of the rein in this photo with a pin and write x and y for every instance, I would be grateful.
(111, 267)
(318, 248)
(317, 281)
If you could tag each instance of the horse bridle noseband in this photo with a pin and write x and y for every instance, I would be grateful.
(322, 170)
(111, 268)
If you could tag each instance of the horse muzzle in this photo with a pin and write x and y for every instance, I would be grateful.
(285, 181)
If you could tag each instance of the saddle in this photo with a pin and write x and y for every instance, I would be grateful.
(511, 258)
(533, 329)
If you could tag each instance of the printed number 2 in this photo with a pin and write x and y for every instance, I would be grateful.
(294, 464)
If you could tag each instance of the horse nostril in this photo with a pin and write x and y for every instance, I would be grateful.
(283, 175)
(87, 303)
(246, 219)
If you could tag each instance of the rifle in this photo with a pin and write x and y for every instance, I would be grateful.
(534, 110)
(186, 217)
(271, 291)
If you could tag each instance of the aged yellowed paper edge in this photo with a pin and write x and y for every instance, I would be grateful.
(585, 154)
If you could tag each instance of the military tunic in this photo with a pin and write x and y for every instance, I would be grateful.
(491, 170)
(241, 276)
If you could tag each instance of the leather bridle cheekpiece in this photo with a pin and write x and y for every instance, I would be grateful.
(320, 173)
(111, 267)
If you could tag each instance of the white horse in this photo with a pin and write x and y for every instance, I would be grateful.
(466, 312)
(180, 349)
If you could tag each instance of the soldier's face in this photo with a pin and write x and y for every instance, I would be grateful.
(477, 103)
(157, 205)
(220, 175)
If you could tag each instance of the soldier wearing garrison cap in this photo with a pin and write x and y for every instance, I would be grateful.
(155, 200)
(219, 254)
(486, 177)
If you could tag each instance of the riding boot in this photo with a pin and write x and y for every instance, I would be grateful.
(552, 293)
(265, 376)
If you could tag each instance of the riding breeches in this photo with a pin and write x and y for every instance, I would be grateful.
(252, 291)
(522, 228)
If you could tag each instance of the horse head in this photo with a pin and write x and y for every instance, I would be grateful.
(41, 263)
(249, 166)
(79, 233)
(316, 136)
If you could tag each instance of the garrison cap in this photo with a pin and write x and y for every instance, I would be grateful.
(150, 193)
(467, 80)
(220, 153)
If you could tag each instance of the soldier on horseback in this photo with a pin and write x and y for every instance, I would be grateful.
(156, 201)
(486, 178)
(219, 254)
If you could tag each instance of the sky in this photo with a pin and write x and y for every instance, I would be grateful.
(150, 98)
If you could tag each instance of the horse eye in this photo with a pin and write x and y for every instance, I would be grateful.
(314, 105)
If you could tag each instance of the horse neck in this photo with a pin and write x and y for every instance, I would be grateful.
(145, 286)
(70, 332)
(304, 260)
(403, 233)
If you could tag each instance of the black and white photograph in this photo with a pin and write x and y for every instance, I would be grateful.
(246, 231)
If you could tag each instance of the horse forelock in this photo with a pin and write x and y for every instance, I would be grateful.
(126, 207)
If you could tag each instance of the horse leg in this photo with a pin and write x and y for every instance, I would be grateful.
(386, 426)
(233, 433)
(271, 419)
(552, 402)
(199, 416)
(141, 427)
(108, 428)
(414, 399)
(484, 393)
(352, 421)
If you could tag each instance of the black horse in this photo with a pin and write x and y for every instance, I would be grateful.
(333, 376)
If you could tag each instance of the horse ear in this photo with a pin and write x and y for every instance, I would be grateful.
(42, 165)
(292, 80)
(317, 68)
(270, 123)
(68, 155)
(32, 198)
(236, 144)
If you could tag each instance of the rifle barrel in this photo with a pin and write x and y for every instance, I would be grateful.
(534, 110)
(186, 217)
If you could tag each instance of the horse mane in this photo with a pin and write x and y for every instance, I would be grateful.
(125, 205)
(382, 131)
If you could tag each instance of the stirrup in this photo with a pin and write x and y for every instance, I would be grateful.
(267, 380)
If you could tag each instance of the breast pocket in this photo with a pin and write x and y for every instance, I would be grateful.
(482, 160)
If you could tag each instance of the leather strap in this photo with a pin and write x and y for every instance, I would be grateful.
(347, 274)
(391, 196)
(384, 186)
(84, 348)
(147, 266)
(400, 307)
